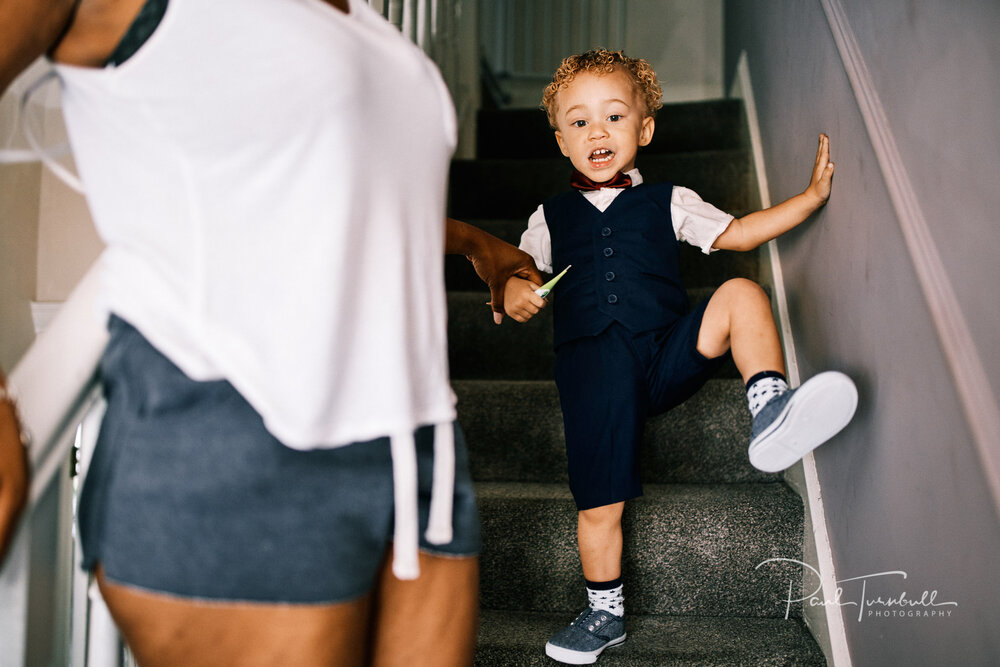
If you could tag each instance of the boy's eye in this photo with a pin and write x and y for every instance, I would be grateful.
(579, 123)
(614, 118)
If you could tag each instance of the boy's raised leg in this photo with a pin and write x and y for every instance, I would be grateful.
(738, 317)
(787, 424)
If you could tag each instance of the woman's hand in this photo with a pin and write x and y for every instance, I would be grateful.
(495, 261)
(13, 471)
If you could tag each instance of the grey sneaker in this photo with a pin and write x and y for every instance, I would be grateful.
(795, 423)
(582, 641)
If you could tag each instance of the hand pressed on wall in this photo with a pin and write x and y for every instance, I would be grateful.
(822, 174)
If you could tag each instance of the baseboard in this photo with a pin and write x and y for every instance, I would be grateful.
(826, 625)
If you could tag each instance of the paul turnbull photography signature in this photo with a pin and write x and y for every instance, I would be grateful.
(898, 605)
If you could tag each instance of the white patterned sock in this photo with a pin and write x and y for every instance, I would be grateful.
(612, 600)
(760, 390)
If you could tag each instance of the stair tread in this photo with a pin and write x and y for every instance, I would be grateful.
(697, 269)
(734, 493)
(513, 188)
(693, 547)
(681, 126)
(518, 639)
(478, 348)
(514, 431)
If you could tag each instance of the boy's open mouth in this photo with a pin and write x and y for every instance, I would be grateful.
(601, 156)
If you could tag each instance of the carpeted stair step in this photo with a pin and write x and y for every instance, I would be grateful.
(697, 268)
(682, 127)
(689, 549)
(479, 349)
(509, 639)
(515, 433)
(509, 188)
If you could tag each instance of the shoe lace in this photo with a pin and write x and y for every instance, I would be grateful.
(593, 619)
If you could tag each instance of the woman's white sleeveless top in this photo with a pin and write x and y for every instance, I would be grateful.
(270, 180)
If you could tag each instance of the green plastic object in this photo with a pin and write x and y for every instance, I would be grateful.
(544, 290)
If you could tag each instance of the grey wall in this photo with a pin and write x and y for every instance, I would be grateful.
(903, 485)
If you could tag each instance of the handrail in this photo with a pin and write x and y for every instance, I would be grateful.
(56, 376)
(54, 384)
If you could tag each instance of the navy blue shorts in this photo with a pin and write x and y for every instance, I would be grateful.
(188, 494)
(609, 384)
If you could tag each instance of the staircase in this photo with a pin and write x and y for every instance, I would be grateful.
(707, 519)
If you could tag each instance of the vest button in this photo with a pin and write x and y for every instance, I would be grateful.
(608, 252)
(612, 298)
(609, 276)
(606, 232)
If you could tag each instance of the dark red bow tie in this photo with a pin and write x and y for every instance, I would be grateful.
(581, 182)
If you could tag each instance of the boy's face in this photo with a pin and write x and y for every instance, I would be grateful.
(601, 124)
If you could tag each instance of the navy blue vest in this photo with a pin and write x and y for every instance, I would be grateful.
(625, 266)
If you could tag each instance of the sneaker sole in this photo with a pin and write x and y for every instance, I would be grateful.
(571, 657)
(819, 410)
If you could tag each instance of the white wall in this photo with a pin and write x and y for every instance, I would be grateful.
(682, 40)
(67, 241)
(19, 194)
(47, 238)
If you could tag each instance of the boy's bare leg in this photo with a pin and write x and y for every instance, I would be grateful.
(166, 630)
(599, 537)
(431, 620)
(738, 317)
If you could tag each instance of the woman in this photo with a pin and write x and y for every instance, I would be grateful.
(269, 178)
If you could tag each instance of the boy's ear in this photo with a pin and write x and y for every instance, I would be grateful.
(562, 143)
(646, 131)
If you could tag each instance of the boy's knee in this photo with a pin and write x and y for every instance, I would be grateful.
(603, 515)
(743, 286)
(744, 291)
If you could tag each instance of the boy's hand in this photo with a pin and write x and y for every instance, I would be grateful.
(759, 227)
(506, 263)
(520, 300)
(822, 175)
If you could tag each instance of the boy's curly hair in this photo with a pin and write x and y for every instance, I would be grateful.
(602, 61)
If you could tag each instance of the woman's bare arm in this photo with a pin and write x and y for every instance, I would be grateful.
(81, 33)
(29, 29)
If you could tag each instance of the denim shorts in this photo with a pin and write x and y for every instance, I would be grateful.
(609, 384)
(188, 494)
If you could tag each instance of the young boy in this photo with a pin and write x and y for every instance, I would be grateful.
(626, 345)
